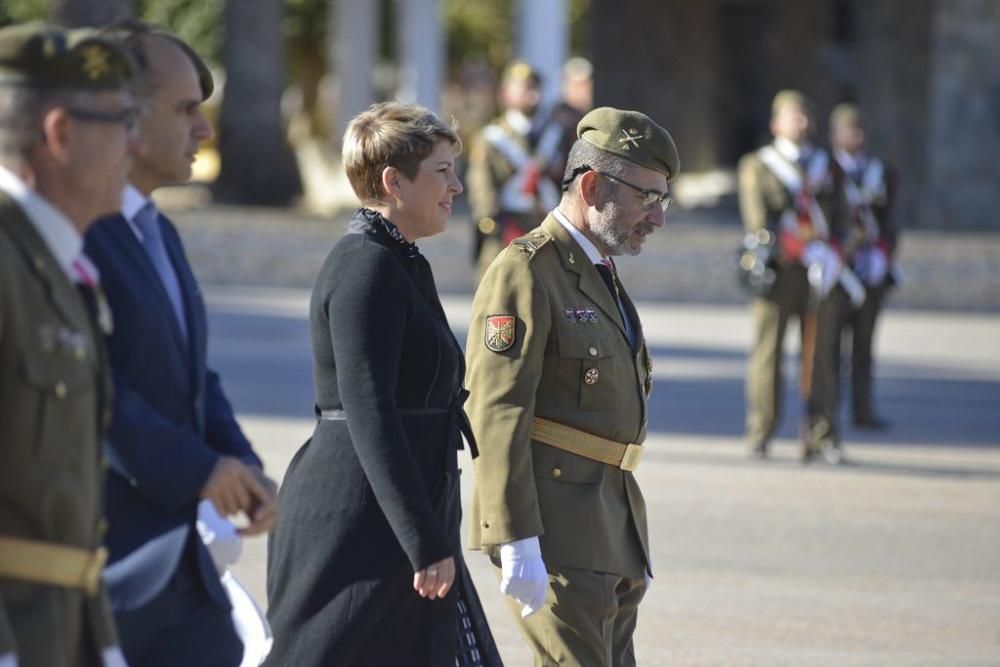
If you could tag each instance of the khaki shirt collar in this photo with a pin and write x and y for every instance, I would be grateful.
(585, 244)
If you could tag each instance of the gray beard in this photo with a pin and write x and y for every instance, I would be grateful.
(614, 235)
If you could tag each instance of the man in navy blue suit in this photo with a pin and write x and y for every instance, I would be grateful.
(173, 440)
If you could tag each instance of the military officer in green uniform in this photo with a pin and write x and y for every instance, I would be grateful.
(559, 376)
(66, 123)
(510, 185)
(790, 196)
(869, 186)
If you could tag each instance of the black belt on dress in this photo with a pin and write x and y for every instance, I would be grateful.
(456, 408)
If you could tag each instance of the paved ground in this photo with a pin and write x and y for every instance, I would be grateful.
(891, 560)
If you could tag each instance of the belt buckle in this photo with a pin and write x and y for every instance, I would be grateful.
(93, 569)
(630, 460)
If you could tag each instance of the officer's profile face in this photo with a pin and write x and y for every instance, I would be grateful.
(173, 126)
(96, 144)
(791, 122)
(620, 219)
(422, 206)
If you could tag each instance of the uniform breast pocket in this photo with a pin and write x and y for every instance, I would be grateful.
(585, 371)
(58, 408)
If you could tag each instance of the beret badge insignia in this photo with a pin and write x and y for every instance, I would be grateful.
(95, 61)
(500, 332)
(630, 139)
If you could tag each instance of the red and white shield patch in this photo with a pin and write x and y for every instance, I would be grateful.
(500, 332)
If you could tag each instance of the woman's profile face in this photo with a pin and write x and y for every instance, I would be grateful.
(425, 202)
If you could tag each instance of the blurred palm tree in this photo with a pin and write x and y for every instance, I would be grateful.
(258, 167)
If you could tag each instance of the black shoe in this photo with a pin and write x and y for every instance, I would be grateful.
(808, 454)
(871, 423)
(759, 450)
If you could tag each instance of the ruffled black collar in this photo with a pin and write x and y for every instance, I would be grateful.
(366, 218)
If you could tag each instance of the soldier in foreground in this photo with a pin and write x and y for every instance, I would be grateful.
(560, 376)
(67, 126)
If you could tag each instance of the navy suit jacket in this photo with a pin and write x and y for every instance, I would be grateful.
(171, 418)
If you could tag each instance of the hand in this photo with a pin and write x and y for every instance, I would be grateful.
(8, 660)
(523, 575)
(112, 656)
(233, 487)
(265, 514)
(435, 580)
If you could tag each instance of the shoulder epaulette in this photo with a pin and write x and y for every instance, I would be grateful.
(531, 243)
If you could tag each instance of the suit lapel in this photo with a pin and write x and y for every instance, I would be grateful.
(129, 244)
(576, 261)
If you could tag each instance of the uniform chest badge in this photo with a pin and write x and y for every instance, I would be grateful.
(500, 332)
(581, 315)
(591, 376)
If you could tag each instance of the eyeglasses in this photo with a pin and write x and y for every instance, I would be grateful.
(650, 198)
(128, 117)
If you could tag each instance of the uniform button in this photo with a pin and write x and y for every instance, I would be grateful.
(79, 353)
(101, 528)
(556, 472)
(593, 351)
(60, 390)
(39, 263)
(486, 524)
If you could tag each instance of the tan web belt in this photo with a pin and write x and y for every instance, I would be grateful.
(586, 444)
(53, 564)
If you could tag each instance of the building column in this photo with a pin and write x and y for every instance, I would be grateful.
(353, 58)
(543, 41)
(963, 138)
(422, 43)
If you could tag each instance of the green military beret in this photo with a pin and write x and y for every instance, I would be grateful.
(631, 135)
(789, 98)
(43, 56)
(846, 114)
(518, 70)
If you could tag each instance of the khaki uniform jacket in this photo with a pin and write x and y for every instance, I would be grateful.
(589, 515)
(763, 198)
(54, 402)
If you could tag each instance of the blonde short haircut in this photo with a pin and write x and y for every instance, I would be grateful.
(390, 134)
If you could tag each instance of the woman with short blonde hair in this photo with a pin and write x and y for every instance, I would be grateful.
(365, 564)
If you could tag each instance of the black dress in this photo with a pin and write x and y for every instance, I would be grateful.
(374, 494)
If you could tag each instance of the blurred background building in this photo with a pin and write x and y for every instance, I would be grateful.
(926, 72)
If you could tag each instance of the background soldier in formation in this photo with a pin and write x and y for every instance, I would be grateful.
(869, 187)
(66, 138)
(559, 376)
(794, 191)
(510, 186)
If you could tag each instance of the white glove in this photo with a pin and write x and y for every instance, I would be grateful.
(824, 266)
(523, 575)
(113, 657)
(219, 535)
(8, 660)
(872, 266)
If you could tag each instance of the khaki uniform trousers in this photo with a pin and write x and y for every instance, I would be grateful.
(588, 619)
(764, 383)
